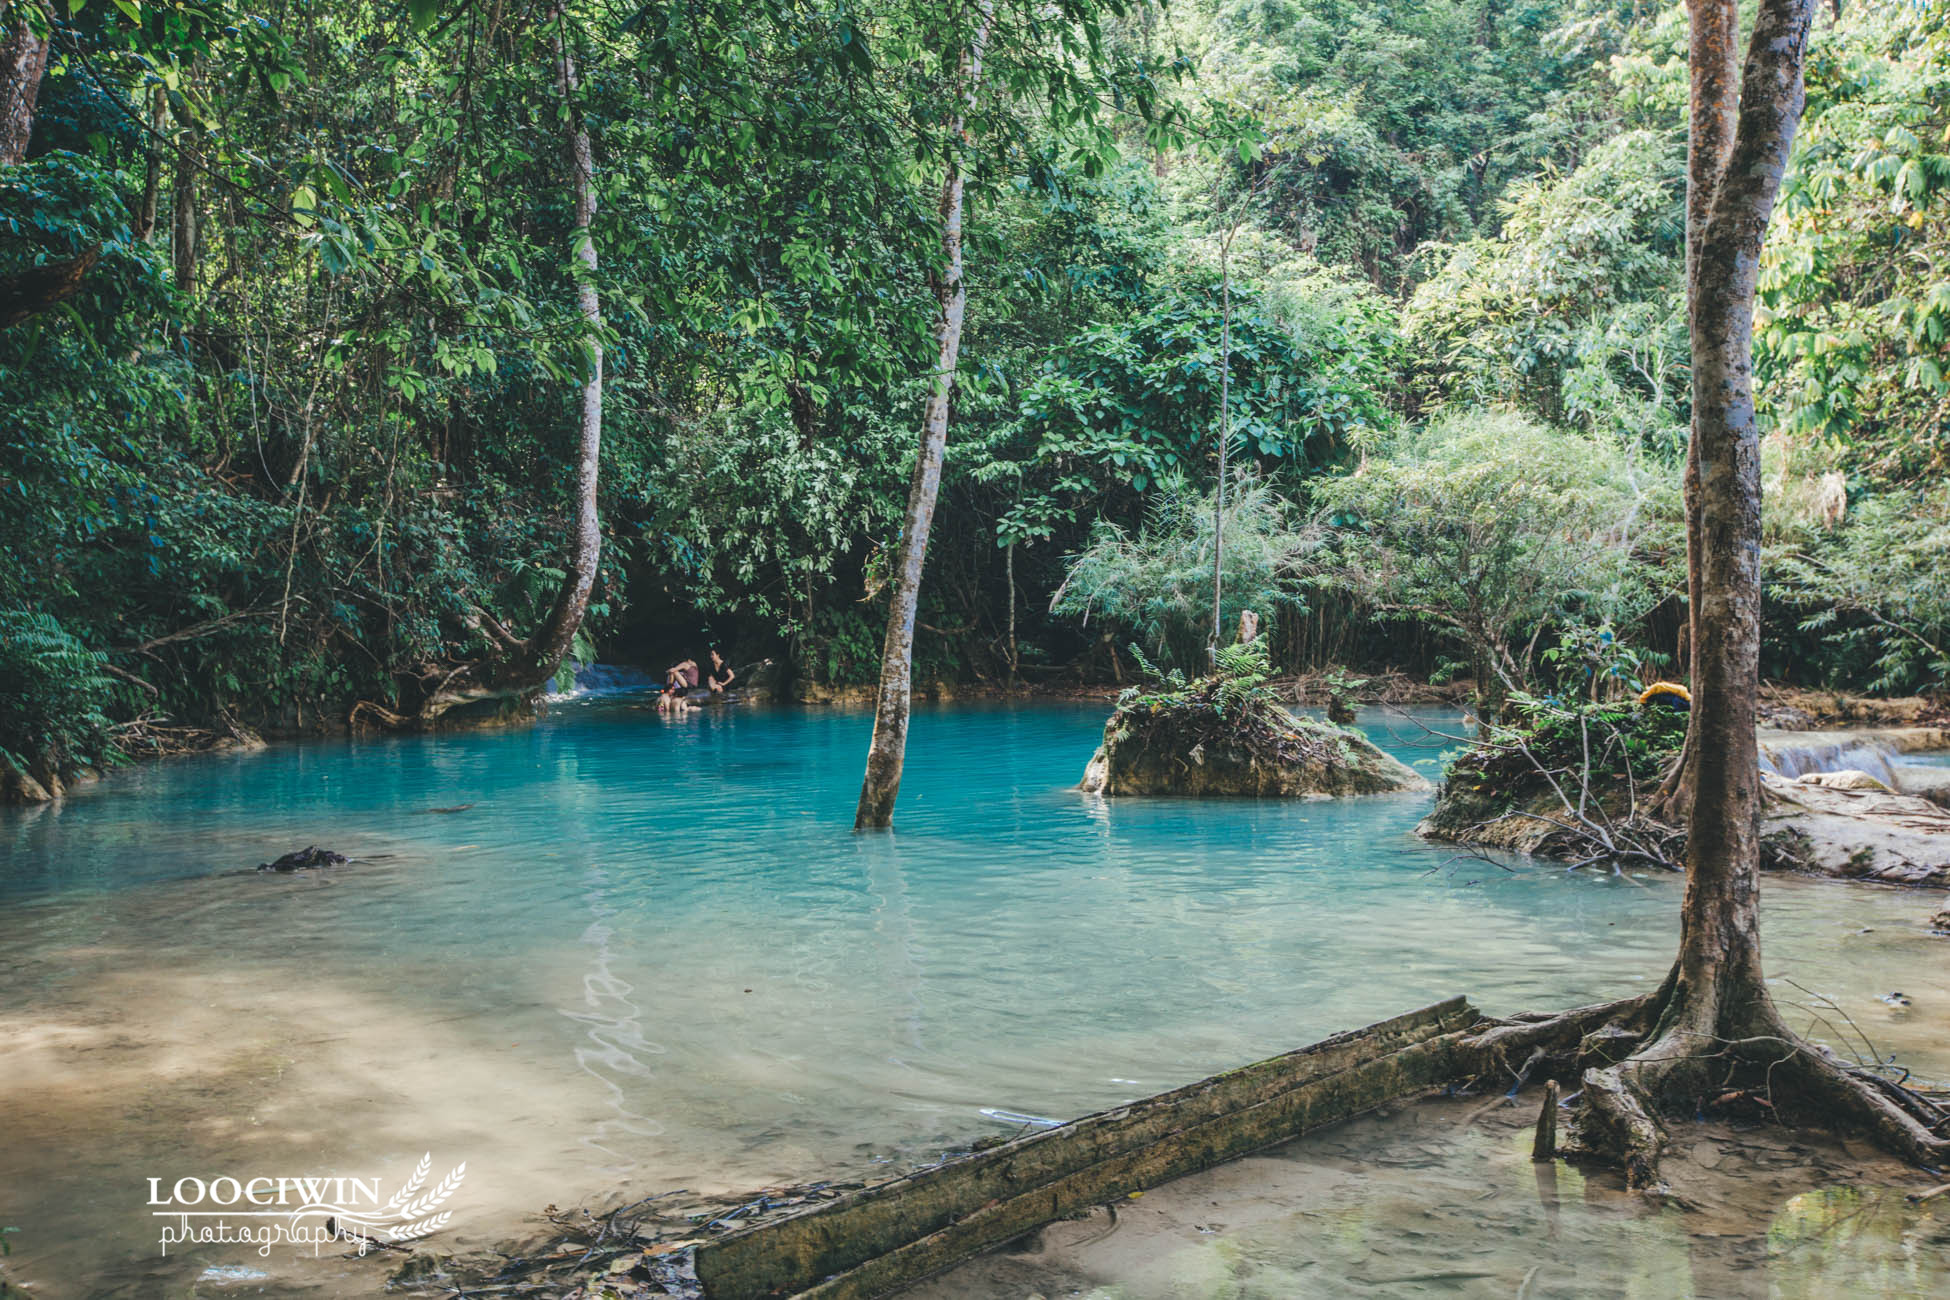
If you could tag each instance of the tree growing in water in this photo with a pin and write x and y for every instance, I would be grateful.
(888, 749)
(1055, 52)
(1712, 1027)
(519, 667)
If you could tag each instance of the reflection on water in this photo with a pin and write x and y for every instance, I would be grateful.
(650, 953)
(615, 1054)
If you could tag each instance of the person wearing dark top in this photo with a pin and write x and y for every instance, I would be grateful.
(718, 665)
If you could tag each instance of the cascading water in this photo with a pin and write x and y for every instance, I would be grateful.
(598, 680)
(1798, 755)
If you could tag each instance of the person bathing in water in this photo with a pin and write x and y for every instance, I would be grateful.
(682, 678)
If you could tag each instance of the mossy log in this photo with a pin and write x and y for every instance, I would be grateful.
(879, 1240)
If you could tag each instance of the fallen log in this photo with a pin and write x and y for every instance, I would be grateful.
(889, 1236)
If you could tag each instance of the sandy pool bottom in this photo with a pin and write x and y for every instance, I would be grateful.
(1441, 1198)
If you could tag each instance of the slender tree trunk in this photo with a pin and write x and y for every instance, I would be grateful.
(23, 62)
(888, 751)
(522, 667)
(145, 217)
(551, 644)
(1225, 446)
(1009, 564)
(182, 229)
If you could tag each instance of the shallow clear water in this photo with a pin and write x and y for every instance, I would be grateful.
(619, 952)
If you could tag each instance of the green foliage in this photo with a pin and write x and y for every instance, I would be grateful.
(1877, 590)
(1157, 585)
(1574, 307)
(1491, 529)
(1129, 404)
(1593, 662)
(1605, 750)
(1855, 298)
(1235, 687)
(1403, 124)
(53, 694)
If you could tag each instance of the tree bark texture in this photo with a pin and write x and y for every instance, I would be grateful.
(145, 216)
(888, 750)
(182, 230)
(552, 642)
(1719, 931)
(1715, 997)
(1713, 109)
(23, 62)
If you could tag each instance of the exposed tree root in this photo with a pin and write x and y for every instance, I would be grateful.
(444, 691)
(1630, 1075)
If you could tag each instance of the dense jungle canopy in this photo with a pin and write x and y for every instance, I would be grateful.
(304, 310)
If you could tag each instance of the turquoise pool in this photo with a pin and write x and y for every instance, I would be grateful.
(615, 952)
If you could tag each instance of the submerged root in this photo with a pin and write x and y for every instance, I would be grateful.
(1615, 1121)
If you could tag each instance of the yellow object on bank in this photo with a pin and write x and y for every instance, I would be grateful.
(1658, 689)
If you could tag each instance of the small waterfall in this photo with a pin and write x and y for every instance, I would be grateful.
(1799, 754)
(605, 679)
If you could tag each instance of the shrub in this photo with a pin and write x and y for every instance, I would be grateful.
(53, 694)
(1495, 530)
(1157, 586)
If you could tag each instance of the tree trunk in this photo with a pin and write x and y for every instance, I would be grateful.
(1713, 106)
(1736, 166)
(1713, 1024)
(182, 233)
(1015, 657)
(23, 62)
(1711, 1027)
(26, 293)
(550, 645)
(521, 668)
(145, 217)
(1225, 444)
(888, 751)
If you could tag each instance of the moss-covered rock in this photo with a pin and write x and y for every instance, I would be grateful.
(1163, 751)
(1544, 787)
(1228, 735)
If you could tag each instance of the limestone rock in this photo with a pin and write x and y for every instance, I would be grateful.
(17, 786)
(1848, 778)
(1857, 833)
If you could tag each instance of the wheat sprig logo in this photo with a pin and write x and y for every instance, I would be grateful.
(236, 1209)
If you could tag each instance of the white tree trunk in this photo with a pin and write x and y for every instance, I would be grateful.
(888, 751)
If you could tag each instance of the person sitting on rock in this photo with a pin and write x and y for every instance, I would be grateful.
(682, 676)
(718, 665)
